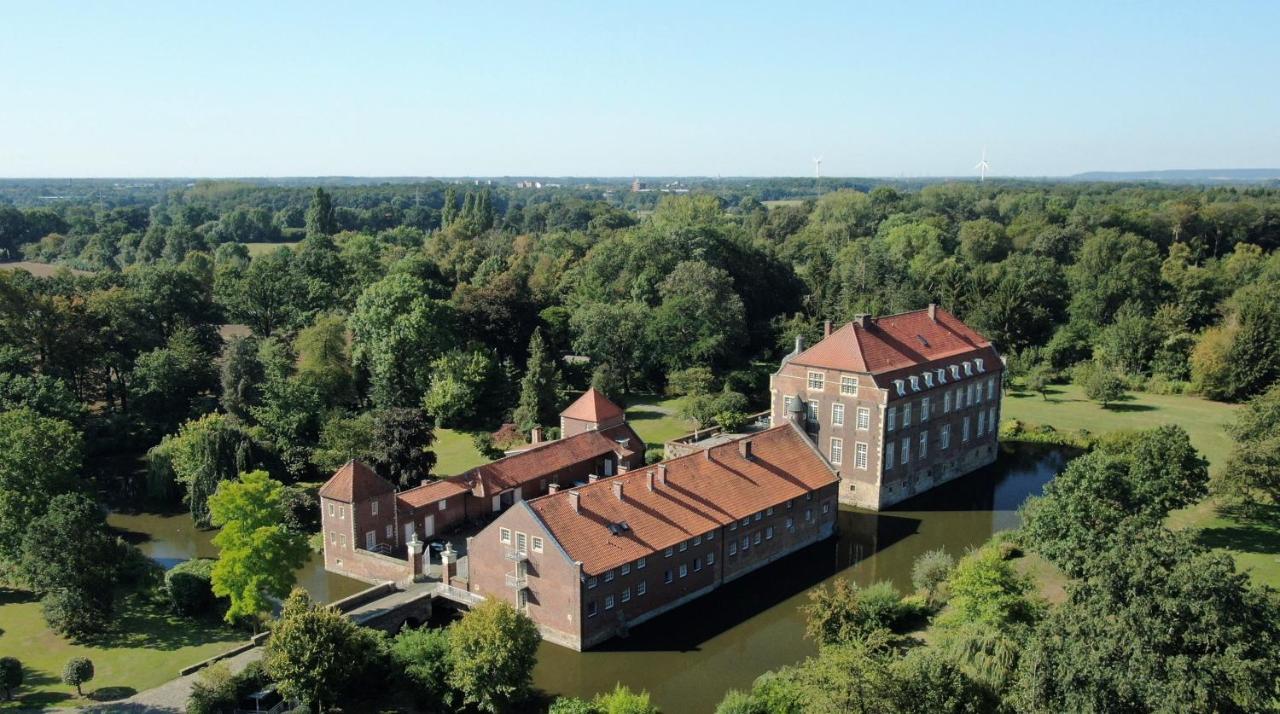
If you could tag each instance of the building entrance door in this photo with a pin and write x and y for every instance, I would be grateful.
(429, 526)
(408, 532)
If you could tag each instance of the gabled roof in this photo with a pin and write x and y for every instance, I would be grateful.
(547, 458)
(592, 406)
(703, 491)
(355, 482)
(431, 492)
(895, 342)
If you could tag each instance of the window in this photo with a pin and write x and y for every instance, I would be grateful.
(522, 542)
(342, 540)
(978, 364)
(684, 545)
(667, 553)
(791, 523)
(608, 575)
(591, 608)
(816, 380)
(964, 430)
(826, 508)
(811, 410)
(906, 415)
(591, 582)
(626, 594)
(946, 402)
(746, 542)
(684, 570)
(342, 511)
(944, 439)
(849, 386)
(391, 531)
(786, 404)
(640, 564)
(991, 418)
(333, 537)
(898, 383)
(442, 505)
(991, 388)
(924, 444)
(768, 511)
(608, 602)
(978, 393)
(697, 564)
(864, 418)
(768, 533)
(666, 577)
(733, 548)
(860, 455)
(928, 379)
(756, 538)
(331, 510)
(640, 588)
(537, 544)
(625, 569)
(759, 515)
(969, 399)
(942, 375)
(888, 455)
(955, 372)
(906, 450)
(891, 417)
(711, 559)
(924, 409)
(837, 414)
(968, 368)
(733, 526)
(504, 535)
(373, 508)
(837, 451)
(915, 383)
(697, 540)
(746, 521)
(808, 514)
(982, 422)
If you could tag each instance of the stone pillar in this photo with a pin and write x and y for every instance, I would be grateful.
(448, 564)
(416, 556)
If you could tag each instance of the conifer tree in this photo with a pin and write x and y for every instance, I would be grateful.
(320, 216)
(449, 213)
(540, 388)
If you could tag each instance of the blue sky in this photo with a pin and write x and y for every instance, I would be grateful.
(619, 89)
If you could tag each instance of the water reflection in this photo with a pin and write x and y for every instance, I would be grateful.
(171, 539)
(688, 658)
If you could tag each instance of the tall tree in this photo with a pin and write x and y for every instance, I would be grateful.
(493, 649)
(317, 654)
(205, 452)
(68, 556)
(539, 389)
(320, 215)
(397, 331)
(39, 459)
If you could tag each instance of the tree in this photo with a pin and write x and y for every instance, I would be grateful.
(1102, 384)
(691, 382)
(423, 654)
(1113, 268)
(205, 452)
(493, 649)
(169, 382)
(1037, 380)
(320, 215)
(606, 380)
(845, 613)
(927, 681)
(39, 459)
(242, 376)
(189, 585)
(459, 381)
(397, 332)
(323, 358)
(983, 241)
(1129, 343)
(317, 654)
(986, 590)
(10, 675)
(1252, 473)
(613, 333)
(701, 318)
(268, 296)
(258, 554)
(930, 570)
(624, 701)
(77, 671)
(401, 446)
(539, 389)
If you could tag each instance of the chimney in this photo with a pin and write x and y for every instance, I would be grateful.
(744, 448)
(648, 479)
(575, 501)
(617, 489)
(424, 482)
(861, 320)
(662, 474)
(592, 478)
(826, 328)
(799, 344)
(553, 487)
(933, 311)
(535, 435)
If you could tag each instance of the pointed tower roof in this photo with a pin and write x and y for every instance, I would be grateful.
(592, 406)
(355, 482)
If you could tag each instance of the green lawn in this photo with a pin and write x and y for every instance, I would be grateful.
(257, 249)
(455, 453)
(148, 649)
(1252, 538)
(655, 420)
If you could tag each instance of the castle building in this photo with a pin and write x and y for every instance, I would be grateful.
(589, 562)
(896, 404)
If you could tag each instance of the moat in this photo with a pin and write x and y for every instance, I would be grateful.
(687, 659)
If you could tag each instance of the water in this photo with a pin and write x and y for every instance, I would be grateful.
(688, 658)
(171, 539)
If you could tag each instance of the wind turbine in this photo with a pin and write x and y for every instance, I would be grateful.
(817, 167)
(982, 166)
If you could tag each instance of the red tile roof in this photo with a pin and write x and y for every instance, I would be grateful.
(895, 342)
(431, 492)
(700, 494)
(592, 406)
(355, 482)
(547, 458)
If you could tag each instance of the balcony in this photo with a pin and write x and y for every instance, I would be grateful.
(518, 581)
(517, 556)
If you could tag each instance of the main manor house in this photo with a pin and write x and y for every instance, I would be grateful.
(588, 540)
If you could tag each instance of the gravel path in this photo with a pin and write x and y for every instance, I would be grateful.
(171, 696)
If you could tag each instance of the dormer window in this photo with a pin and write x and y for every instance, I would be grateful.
(915, 383)
(898, 383)
(968, 368)
(955, 372)
(978, 362)
(928, 380)
(942, 376)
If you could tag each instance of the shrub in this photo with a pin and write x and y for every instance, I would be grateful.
(930, 570)
(732, 421)
(882, 604)
(190, 588)
(484, 444)
(10, 675)
(844, 612)
(213, 691)
(624, 701)
(423, 655)
(654, 455)
(738, 702)
(78, 671)
(507, 437)
(571, 705)
(76, 613)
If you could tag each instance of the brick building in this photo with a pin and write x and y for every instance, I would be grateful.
(896, 404)
(367, 523)
(586, 563)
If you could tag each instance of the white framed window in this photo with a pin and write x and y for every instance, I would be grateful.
(758, 515)
(969, 397)
(522, 543)
(331, 510)
(888, 455)
(608, 575)
(924, 410)
(808, 515)
(906, 450)
(442, 505)
(504, 535)
(591, 608)
(684, 545)
(928, 379)
(968, 368)
(733, 548)
(964, 430)
(370, 540)
(733, 526)
(333, 538)
(991, 418)
(890, 418)
(755, 538)
(746, 521)
(591, 582)
(608, 602)
(711, 558)
(837, 414)
(849, 386)
(768, 533)
(915, 383)
(391, 531)
(946, 402)
(944, 438)
(791, 523)
(342, 511)
(860, 450)
(697, 565)
(991, 388)
(924, 444)
(746, 542)
(342, 540)
(816, 381)
(640, 564)
(373, 507)
(982, 422)
(977, 393)
(626, 594)
(537, 544)
(906, 415)
(641, 588)
(898, 384)
(768, 511)
(864, 418)
(787, 402)
(978, 363)
(811, 410)
(955, 371)
(667, 553)
(684, 570)
(837, 451)
(711, 535)
(942, 375)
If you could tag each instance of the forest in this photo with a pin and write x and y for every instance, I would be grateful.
(215, 328)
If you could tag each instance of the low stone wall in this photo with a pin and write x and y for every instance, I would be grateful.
(374, 567)
(368, 595)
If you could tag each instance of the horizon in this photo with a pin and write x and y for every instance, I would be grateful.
(291, 90)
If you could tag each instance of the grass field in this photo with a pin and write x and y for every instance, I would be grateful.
(40, 270)
(148, 649)
(257, 249)
(455, 452)
(1253, 538)
(655, 420)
